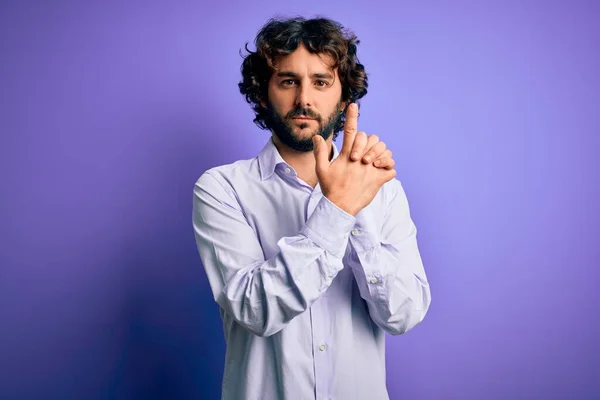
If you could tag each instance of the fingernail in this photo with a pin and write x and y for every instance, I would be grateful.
(353, 106)
(367, 159)
(378, 163)
(354, 155)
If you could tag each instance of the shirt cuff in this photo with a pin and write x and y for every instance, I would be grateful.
(329, 226)
(366, 234)
(364, 240)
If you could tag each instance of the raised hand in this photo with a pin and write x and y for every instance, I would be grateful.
(348, 184)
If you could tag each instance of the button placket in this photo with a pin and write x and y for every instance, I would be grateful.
(321, 358)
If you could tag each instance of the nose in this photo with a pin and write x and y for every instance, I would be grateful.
(303, 95)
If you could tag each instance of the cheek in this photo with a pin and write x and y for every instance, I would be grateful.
(279, 101)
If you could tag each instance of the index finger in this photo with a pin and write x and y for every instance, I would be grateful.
(350, 128)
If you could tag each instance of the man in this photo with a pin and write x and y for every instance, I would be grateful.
(311, 253)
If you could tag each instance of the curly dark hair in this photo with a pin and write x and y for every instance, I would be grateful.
(279, 37)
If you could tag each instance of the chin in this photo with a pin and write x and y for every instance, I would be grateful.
(304, 131)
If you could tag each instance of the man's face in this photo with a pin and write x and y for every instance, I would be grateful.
(304, 99)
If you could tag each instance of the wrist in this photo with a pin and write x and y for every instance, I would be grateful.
(343, 204)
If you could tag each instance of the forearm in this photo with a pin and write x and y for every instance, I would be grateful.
(264, 295)
(398, 299)
(387, 265)
(267, 296)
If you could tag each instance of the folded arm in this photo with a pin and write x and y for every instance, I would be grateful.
(264, 295)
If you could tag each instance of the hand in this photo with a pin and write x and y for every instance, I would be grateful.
(372, 150)
(349, 185)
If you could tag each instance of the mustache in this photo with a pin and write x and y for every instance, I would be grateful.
(303, 112)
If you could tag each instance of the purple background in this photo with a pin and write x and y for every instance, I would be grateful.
(110, 112)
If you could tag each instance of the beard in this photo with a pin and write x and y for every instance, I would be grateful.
(283, 127)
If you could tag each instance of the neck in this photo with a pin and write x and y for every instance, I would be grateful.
(303, 162)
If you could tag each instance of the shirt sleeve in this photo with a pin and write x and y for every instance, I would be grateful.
(264, 295)
(388, 267)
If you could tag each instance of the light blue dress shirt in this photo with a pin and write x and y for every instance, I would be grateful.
(306, 291)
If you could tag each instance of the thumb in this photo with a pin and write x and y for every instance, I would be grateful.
(320, 152)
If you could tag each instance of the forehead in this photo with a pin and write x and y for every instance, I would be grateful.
(301, 60)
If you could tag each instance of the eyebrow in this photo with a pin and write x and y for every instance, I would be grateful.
(290, 74)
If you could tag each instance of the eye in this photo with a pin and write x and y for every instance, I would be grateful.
(322, 83)
(288, 82)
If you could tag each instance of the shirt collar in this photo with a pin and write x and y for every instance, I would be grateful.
(269, 158)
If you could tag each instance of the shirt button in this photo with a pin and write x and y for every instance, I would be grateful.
(373, 280)
(287, 170)
(322, 347)
(355, 232)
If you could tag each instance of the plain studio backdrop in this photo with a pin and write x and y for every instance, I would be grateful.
(110, 111)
